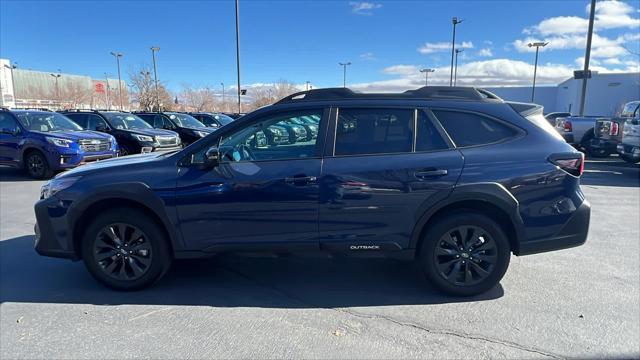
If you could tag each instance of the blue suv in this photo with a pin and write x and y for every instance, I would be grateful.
(452, 177)
(43, 142)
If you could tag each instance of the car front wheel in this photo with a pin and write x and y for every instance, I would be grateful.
(37, 166)
(125, 250)
(465, 254)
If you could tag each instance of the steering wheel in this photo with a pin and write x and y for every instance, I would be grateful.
(245, 152)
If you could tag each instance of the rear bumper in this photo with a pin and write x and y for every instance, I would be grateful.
(604, 144)
(630, 151)
(574, 233)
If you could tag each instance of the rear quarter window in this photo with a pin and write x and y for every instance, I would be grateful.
(469, 129)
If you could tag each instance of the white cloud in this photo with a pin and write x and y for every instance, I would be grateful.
(368, 56)
(363, 8)
(430, 48)
(601, 46)
(486, 52)
(612, 61)
(401, 70)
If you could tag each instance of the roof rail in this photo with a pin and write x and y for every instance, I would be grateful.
(425, 92)
(34, 109)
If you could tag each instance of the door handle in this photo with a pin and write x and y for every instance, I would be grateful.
(428, 173)
(300, 179)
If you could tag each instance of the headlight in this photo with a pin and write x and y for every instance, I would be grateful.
(55, 185)
(59, 142)
(143, 138)
(114, 143)
(201, 133)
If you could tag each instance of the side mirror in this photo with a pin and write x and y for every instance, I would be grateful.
(211, 158)
(101, 128)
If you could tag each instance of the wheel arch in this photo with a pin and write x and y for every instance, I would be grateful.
(490, 199)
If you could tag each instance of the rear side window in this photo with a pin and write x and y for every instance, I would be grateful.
(80, 119)
(374, 131)
(428, 138)
(468, 129)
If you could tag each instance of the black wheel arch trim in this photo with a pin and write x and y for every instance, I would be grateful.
(132, 191)
(494, 193)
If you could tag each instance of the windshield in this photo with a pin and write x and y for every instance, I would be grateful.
(223, 119)
(126, 121)
(630, 109)
(47, 122)
(184, 120)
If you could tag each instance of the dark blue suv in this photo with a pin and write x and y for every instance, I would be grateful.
(453, 177)
(43, 142)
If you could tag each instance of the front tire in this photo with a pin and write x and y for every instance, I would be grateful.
(125, 249)
(465, 254)
(37, 166)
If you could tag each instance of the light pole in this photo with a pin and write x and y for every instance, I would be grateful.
(238, 51)
(106, 92)
(13, 81)
(455, 22)
(344, 73)
(57, 76)
(308, 83)
(426, 75)
(587, 55)
(118, 56)
(155, 75)
(455, 71)
(535, 67)
(223, 99)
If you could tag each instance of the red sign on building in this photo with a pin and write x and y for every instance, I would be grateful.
(100, 87)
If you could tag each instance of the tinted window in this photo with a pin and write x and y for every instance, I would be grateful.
(46, 122)
(7, 121)
(467, 129)
(374, 131)
(80, 119)
(428, 138)
(273, 138)
(94, 122)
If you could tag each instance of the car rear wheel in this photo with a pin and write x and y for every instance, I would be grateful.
(629, 159)
(125, 250)
(465, 254)
(37, 166)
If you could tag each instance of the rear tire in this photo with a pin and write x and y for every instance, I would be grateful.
(125, 249)
(465, 254)
(37, 166)
(629, 159)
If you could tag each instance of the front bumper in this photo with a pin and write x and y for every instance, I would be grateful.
(52, 236)
(67, 158)
(574, 233)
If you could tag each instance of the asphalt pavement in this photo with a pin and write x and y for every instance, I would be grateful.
(581, 302)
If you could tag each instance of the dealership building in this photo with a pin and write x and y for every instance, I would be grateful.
(22, 88)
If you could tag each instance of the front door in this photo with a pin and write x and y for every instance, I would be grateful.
(10, 138)
(387, 166)
(264, 192)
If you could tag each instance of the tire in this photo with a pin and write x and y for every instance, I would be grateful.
(124, 150)
(491, 256)
(37, 166)
(629, 159)
(142, 237)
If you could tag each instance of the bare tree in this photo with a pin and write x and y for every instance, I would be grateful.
(266, 95)
(144, 91)
(74, 95)
(198, 99)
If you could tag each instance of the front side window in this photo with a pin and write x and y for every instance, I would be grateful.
(184, 120)
(47, 122)
(95, 122)
(7, 122)
(468, 129)
(274, 138)
(374, 131)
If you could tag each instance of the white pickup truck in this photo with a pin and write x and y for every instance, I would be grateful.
(629, 147)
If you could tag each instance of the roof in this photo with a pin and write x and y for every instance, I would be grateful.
(423, 93)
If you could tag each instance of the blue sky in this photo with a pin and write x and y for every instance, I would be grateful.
(386, 41)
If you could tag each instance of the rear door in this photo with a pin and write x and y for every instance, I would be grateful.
(10, 138)
(386, 166)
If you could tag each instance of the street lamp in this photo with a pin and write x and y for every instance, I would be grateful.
(106, 92)
(238, 51)
(118, 56)
(344, 73)
(155, 74)
(13, 81)
(426, 75)
(537, 45)
(57, 76)
(455, 22)
(223, 99)
(308, 83)
(455, 71)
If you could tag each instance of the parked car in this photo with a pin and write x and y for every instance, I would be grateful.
(189, 129)
(453, 177)
(43, 142)
(551, 117)
(629, 147)
(578, 131)
(134, 136)
(608, 132)
(235, 116)
(214, 120)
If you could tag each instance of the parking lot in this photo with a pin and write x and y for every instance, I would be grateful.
(580, 302)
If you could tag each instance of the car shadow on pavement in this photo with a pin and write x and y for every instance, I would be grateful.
(13, 174)
(229, 281)
(610, 171)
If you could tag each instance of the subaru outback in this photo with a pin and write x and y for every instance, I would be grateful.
(453, 177)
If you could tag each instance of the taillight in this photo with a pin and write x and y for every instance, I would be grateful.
(566, 126)
(572, 163)
(613, 129)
